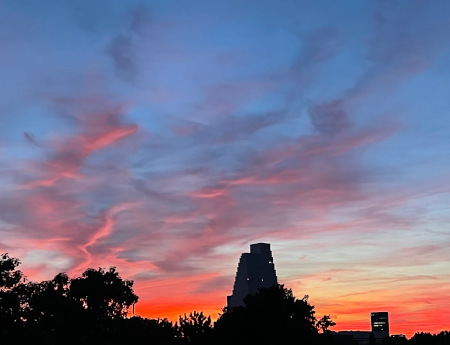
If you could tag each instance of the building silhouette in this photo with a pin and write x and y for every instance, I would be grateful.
(255, 270)
(380, 324)
(380, 330)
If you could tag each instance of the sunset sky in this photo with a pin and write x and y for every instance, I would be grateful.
(164, 137)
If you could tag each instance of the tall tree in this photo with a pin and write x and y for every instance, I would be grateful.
(103, 294)
(10, 279)
(324, 323)
(195, 328)
(9, 276)
(46, 305)
(273, 315)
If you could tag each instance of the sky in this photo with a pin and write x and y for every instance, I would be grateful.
(164, 137)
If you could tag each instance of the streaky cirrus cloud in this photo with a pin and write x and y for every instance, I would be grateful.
(164, 140)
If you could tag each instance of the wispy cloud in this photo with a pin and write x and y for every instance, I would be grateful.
(164, 141)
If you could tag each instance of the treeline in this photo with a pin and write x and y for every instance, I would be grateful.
(93, 309)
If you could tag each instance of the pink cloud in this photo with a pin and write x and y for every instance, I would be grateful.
(105, 229)
(68, 154)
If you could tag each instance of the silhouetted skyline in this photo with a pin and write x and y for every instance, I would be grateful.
(95, 308)
(163, 138)
(255, 270)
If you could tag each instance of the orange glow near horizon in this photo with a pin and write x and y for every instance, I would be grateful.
(346, 319)
(163, 141)
(348, 295)
(349, 313)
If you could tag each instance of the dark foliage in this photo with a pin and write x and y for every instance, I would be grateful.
(421, 338)
(324, 323)
(195, 328)
(61, 310)
(93, 308)
(103, 294)
(273, 315)
(137, 330)
(10, 278)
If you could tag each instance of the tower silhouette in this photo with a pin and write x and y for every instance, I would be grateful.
(380, 324)
(255, 270)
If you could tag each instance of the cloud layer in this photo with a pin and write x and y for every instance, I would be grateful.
(164, 141)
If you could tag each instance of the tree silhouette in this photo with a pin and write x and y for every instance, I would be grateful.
(272, 315)
(10, 302)
(324, 323)
(137, 330)
(422, 338)
(103, 294)
(195, 328)
(92, 309)
(47, 305)
(9, 276)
